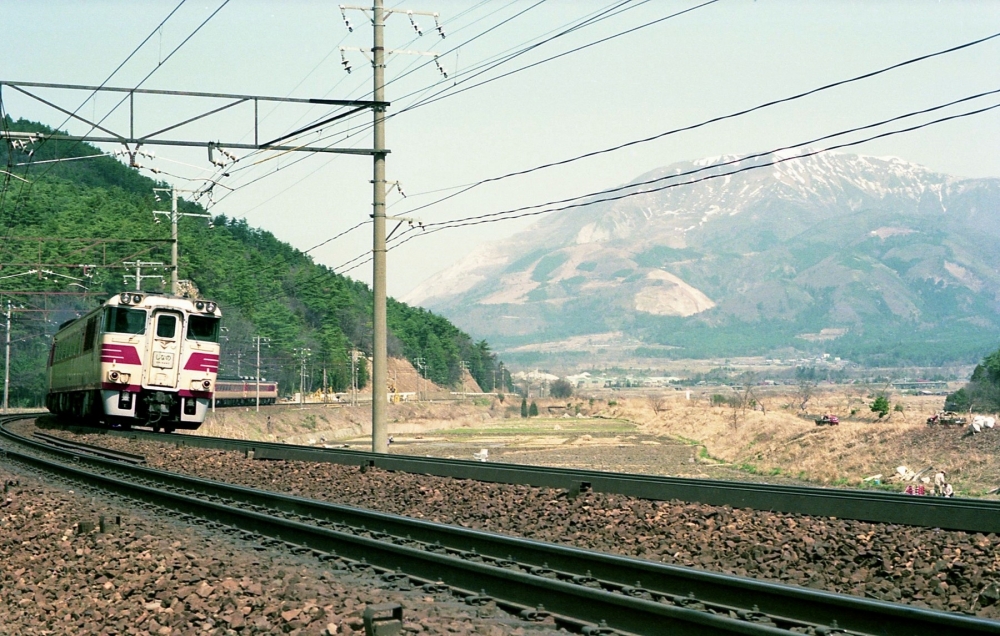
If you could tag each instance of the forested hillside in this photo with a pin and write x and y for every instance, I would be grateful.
(97, 211)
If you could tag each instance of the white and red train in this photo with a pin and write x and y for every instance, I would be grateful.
(138, 360)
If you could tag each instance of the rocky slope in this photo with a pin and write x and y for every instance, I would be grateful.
(833, 247)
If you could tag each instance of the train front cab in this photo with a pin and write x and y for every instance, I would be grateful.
(161, 393)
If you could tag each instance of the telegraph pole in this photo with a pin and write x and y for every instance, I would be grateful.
(139, 276)
(258, 340)
(174, 215)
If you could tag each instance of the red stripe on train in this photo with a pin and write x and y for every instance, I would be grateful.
(203, 362)
(124, 354)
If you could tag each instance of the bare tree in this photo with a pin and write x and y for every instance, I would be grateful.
(805, 393)
(657, 402)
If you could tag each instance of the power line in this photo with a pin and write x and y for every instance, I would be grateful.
(707, 122)
(587, 21)
(506, 215)
(530, 211)
(148, 75)
(746, 158)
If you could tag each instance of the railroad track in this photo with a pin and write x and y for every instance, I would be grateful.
(594, 593)
(970, 515)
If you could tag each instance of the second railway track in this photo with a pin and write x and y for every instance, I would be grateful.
(970, 515)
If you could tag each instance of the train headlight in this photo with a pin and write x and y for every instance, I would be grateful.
(136, 298)
(206, 384)
(117, 377)
(201, 385)
(125, 298)
(200, 306)
(210, 308)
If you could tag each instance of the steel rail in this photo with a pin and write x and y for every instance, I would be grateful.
(970, 515)
(569, 581)
(90, 449)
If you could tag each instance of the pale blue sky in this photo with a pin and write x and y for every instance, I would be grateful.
(723, 57)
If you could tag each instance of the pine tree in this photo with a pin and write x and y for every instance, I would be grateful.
(533, 410)
(524, 407)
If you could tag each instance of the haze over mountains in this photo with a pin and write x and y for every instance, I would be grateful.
(872, 258)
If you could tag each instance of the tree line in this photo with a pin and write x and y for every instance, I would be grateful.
(267, 288)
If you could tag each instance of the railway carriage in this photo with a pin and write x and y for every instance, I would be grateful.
(138, 360)
(244, 392)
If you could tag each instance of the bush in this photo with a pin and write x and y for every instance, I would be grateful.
(561, 388)
(533, 409)
(524, 407)
(880, 406)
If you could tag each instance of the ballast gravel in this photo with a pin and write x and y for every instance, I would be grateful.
(944, 570)
(148, 575)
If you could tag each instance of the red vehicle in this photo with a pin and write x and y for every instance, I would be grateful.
(828, 420)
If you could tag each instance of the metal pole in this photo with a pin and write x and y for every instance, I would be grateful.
(354, 377)
(6, 366)
(173, 240)
(138, 276)
(258, 374)
(379, 440)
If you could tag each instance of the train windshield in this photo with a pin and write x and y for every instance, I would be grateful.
(203, 328)
(124, 320)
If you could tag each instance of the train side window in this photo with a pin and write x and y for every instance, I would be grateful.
(166, 326)
(124, 320)
(89, 333)
(203, 328)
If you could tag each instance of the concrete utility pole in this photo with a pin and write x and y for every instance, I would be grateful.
(380, 441)
(302, 354)
(379, 376)
(258, 340)
(139, 276)
(354, 377)
(174, 215)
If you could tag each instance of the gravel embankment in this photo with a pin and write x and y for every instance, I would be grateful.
(955, 571)
(154, 576)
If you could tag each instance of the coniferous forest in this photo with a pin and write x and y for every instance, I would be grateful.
(96, 213)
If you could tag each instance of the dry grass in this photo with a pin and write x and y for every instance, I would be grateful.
(780, 440)
(783, 440)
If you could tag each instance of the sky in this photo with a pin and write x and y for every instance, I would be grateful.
(668, 72)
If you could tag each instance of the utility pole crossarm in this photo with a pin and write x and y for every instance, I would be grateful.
(354, 105)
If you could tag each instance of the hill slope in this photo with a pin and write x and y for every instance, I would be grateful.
(875, 259)
(265, 287)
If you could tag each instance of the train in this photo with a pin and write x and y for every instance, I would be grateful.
(243, 392)
(139, 359)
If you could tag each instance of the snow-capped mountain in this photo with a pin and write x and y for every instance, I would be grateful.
(828, 244)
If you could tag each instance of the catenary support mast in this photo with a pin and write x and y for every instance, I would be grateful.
(380, 442)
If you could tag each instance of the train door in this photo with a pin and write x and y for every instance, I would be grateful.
(164, 354)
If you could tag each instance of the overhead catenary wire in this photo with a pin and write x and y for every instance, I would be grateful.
(739, 113)
(713, 120)
(588, 20)
(144, 79)
(758, 155)
(431, 228)
(507, 215)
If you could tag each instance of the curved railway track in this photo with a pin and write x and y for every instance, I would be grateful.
(970, 515)
(592, 592)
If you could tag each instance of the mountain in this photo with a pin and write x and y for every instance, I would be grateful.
(875, 259)
(96, 213)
